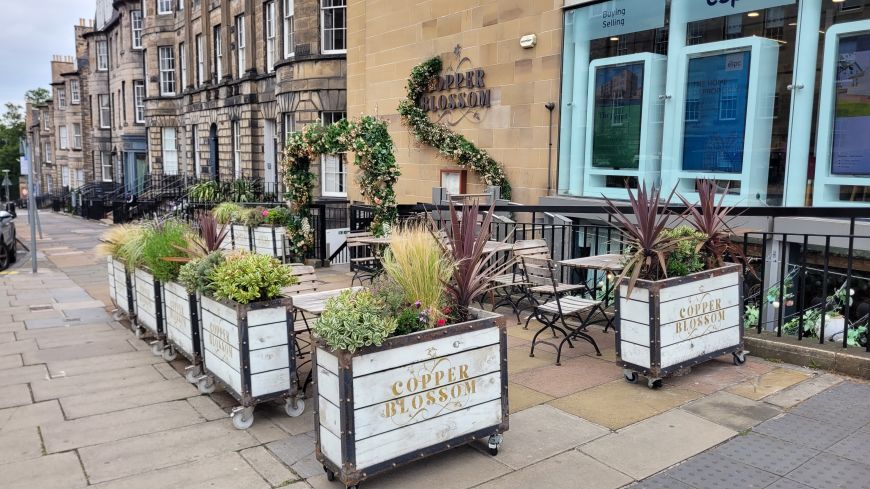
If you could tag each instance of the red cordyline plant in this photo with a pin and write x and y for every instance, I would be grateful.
(647, 244)
(711, 218)
(211, 235)
(474, 268)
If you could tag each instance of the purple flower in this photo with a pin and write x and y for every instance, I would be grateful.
(418, 304)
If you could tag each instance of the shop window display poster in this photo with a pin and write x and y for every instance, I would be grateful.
(850, 152)
(715, 115)
(618, 110)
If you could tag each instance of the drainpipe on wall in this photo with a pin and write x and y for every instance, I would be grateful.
(550, 106)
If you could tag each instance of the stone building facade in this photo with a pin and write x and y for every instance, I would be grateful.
(66, 87)
(226, 80)
(39, 127)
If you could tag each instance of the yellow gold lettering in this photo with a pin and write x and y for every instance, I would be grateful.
(397, 389)
(463, 372)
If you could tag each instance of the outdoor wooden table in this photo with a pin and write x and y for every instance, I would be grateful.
(610, 263)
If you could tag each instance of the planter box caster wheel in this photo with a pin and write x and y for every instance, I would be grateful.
(157, 349)
(243, 418)
(205, 385)
(117, 315)
(138, 332)
(630, 376)
(330, 475)
(169, 354)
(739, 357)
(294, 407)
(193, 374)
(654, 383)
(494, 443)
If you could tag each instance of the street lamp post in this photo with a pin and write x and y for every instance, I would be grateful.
(6, 183)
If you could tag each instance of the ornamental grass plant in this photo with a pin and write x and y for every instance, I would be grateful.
(112, 241)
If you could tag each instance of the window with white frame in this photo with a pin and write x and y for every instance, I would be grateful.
(80, 178)
(136, 28)
(47, 120)
(289, 126)
(46, 151)
(333, 167)
(693, 101)
(200, 61)
(237, 149)
(105, 111)
(77, 136)
(334, 20)
(170, 151)
(102, 55)
(75, 94)
(63, 137)
(49, 183)
(166, 59)
(194, 144)
(270, 36)
(64, 176)
(289, 41)
(164, 7)
(106, 165)
(139, 100)
(61, 97)
(617, 112)
(218, 55)
(240, 44)
(728, 101)
(182, 59)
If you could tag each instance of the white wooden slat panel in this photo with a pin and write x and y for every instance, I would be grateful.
(268, 336)
(218, 309)
(635, 311)
(327, 360)
(330, 446)
(425, 375)
(327, 384)
(692, 288)
(242, 240)
(111, 274)
(638, 294)
(222, 371)
(269, 359)
(259, 317)
(405, 440)
(220, 327)
(329, 415)
(419, 407)
(388, 359)
(633, 332)
(270, 382)
(221, 349)
(636, 354)
(687, 350)
(706, 303)
(180, 338)
(710, 323)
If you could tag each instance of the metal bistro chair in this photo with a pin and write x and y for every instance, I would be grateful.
(512, 284)
(363, 263)
(552, 314)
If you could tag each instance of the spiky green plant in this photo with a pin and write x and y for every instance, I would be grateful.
(227, 212)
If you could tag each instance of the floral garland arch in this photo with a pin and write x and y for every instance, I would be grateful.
(370, 141)
(450, 144)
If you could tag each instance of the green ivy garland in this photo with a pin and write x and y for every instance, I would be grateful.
(450, 144)
(370, 141)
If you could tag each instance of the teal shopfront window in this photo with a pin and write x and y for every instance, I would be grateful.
(674, 91)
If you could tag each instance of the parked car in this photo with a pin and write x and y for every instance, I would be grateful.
(7, 237)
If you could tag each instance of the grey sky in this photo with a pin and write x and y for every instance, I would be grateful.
(33, 31)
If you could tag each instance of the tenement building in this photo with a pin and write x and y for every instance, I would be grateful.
(579, 98)
(39, 127)
(226, 80)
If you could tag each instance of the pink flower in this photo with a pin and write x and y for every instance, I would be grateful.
(265, 213)
(442, 322)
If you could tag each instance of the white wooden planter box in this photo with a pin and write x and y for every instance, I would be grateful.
(181, 320)
(121, 288)
(269, 240)
(239, 237)
(149, 307)
(414, 396)
(676, 323)
(249, 349)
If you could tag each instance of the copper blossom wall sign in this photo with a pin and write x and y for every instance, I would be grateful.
(457, 93)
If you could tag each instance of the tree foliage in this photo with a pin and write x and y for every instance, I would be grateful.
(11, 133)
(37, 96)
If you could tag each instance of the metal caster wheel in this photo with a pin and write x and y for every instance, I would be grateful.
(739, 357)
(193, 375)
(494, 443)
(243, 418)
(654, 383)
(630, 376)
(157, 349)
(294, 407)
(138, 332)
(330, 475)
(169, 354)
(117, 315)
(205, 385)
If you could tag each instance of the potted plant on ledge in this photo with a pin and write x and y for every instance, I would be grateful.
(408, 369)
(679, 301)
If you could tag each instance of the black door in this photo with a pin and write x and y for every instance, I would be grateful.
(213, 153)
